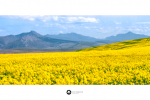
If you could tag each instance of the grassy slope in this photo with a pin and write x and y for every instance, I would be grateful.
(121, 45)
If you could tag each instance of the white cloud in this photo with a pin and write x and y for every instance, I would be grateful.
(82, 19)
(59, 25)
(60, 32)
(44, 18)
(48, 25)
(72, 19)
(55, 18)
(31, 19)
(1, 30)
(47, 18)
(97, 28)
(137, 29)
(27, 17)
(117, 22)
(143, 22)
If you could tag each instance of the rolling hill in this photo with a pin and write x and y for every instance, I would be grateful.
(121, 45)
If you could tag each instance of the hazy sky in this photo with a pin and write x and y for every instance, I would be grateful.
(99, 26)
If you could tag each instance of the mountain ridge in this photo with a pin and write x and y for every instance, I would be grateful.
(30, 39)
(33, 39)
(73, 36)
(127, 36)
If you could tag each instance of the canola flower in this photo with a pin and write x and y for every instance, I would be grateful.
(111, 67)
(122, 63)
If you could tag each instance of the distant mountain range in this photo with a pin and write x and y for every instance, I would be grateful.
(33, 39)
(74, 41)
(30, 39)
(125, 37)
(111, 39)
(73, 37)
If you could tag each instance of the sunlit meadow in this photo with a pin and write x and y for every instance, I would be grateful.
(113, 64)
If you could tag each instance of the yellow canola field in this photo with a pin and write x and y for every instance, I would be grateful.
(121, 67)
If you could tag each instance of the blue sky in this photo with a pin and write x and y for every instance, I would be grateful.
(98, 26)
